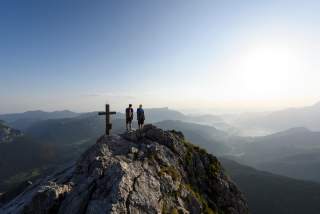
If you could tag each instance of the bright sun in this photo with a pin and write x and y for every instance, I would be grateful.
(264, 71)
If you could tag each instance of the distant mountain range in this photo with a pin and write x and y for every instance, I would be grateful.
(205, 136)
(294, 152)
(21, 156)
(23, 120)
(248, 124)
(271, 122)
(38, 115)
(269, 193)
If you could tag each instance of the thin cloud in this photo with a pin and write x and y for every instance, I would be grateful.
(110, 95)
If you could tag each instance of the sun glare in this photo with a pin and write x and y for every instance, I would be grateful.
(264, 71)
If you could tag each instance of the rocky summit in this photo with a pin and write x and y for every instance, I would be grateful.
(148, 171)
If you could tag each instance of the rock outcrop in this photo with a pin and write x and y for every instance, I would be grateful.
(152, 171)
(8, 134)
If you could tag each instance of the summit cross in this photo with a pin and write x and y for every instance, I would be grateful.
(108, 118)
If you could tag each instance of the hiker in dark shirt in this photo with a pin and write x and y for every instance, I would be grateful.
(140, 116)
(129, 117)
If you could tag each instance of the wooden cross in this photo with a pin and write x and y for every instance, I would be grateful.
(108, 118)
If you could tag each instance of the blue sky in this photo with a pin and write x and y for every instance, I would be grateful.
(179, 53)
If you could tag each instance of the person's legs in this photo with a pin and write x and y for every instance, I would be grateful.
(130, 125)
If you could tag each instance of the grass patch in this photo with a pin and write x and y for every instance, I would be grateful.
(174, 211)
(215, 168)
(170, 170)
(167, 210)
(24, 176)
(200, 199)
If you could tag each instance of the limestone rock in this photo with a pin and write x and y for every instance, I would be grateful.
(148, 171)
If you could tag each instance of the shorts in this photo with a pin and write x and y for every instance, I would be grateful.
(129, 120)
(140, 122)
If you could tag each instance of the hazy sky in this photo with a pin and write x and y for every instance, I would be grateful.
(77, 55)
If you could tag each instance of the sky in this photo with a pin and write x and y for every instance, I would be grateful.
(184, 54)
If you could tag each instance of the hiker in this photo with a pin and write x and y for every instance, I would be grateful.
(140, 116)
(129, 117)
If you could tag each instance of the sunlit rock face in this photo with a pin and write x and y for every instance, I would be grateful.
(8, 134)
(148, 171)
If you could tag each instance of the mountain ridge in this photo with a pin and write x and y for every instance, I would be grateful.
(271, 193)
(276, 121)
